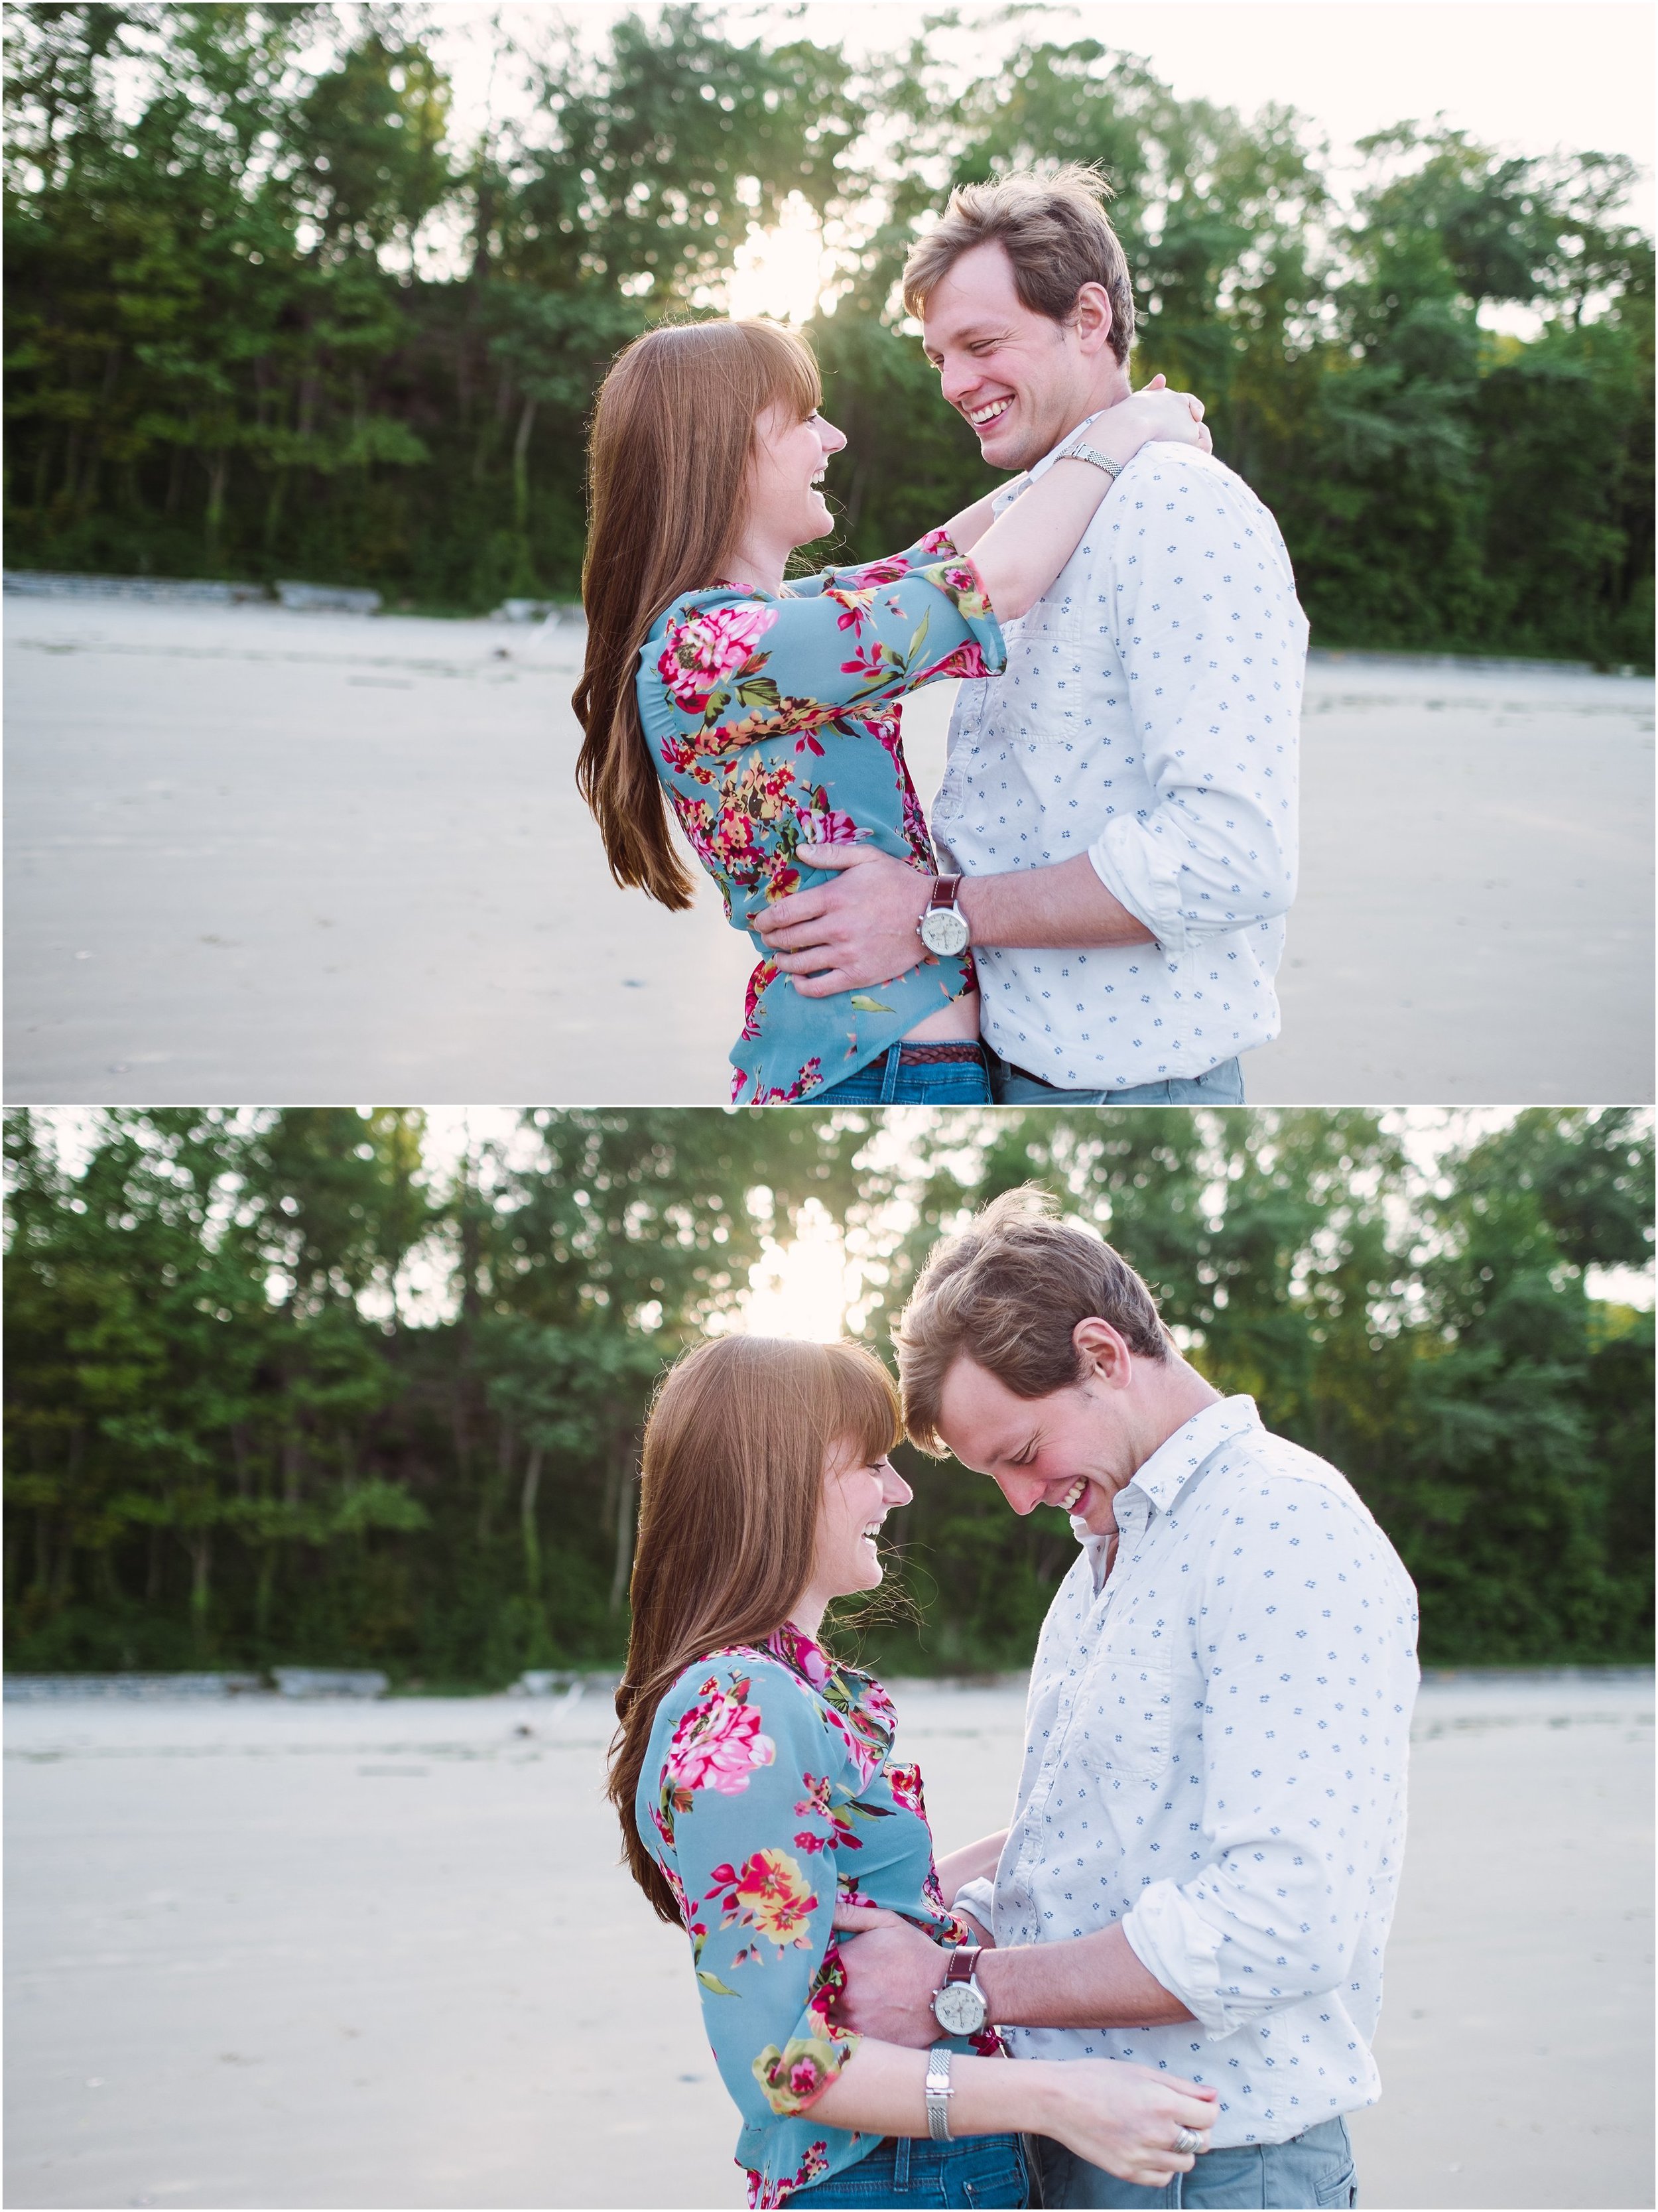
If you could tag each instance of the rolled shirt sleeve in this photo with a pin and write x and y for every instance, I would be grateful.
(1311, 1682)
(743, 1824)
(729, 670)
(1213, 643)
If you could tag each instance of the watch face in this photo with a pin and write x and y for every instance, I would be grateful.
(943, 931)
(959, 2008)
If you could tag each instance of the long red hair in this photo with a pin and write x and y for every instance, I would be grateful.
(732, 1478)
(673, 433)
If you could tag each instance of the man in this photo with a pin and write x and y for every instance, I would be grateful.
(1121, 800)
(1204, 1852)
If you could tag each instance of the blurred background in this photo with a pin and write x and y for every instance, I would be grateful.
(340, 1387)
(351, 1399)
(324, 291)
(307, 308)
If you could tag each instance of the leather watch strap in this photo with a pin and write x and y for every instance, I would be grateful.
(944, 889)
(964, 1963)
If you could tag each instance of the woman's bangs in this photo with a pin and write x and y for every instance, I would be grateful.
(866, 1408)
(790, 366)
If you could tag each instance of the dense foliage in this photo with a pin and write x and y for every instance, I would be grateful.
(230, 353)
(277, 1392)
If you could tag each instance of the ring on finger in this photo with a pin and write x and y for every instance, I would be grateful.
(1188, 2140)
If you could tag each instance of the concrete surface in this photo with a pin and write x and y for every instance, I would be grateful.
(261, 856)
(262, 1954)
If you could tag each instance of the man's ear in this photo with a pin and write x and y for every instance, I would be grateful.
(1092, 317)
(1102, 1351)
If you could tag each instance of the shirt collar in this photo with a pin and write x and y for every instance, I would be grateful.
(1041, 468)
(797, 1649)
(1171, 1467)
(1161, 1479)
(1011, 490)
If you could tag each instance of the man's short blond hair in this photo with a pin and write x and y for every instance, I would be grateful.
(1008, 1294)
(1053, 228)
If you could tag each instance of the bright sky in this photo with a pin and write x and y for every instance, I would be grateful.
(1527, 76)
(805, 1288)
(808, 1287)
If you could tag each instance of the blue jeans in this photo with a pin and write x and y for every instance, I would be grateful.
(885, 1082)
(1221, 1086)
(978, 2171)
(1311, 2170)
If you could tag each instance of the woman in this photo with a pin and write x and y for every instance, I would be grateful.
(754, 1778)
(767, 713)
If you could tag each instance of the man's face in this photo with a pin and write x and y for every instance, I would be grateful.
(1021, 379)
(1071, 1449)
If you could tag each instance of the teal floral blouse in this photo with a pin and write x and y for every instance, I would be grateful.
(774, 723)
(768, 1791)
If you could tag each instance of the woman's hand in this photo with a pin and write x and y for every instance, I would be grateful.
(1152, 412)
(1127, 2118)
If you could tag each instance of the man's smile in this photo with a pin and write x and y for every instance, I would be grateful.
(991, 410)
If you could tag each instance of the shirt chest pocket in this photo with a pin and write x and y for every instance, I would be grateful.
(1121, 1727)
(1041, 698)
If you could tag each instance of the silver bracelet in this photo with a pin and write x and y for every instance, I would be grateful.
(1097, 460)
(939, 2092)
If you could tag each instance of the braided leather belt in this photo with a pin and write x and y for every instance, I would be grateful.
(938, 1055)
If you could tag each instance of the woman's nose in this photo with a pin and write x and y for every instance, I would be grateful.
(833, 440)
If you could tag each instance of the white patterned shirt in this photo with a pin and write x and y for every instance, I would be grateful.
(1215, 1754)
(1149, 716)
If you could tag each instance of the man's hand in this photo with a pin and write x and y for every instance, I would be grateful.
(892, 1971)
(858, 931)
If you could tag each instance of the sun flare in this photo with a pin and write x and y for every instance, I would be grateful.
(781, 273)
(800, 1290)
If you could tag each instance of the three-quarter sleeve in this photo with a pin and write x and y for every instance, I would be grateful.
(736, 670)
(747, 1816)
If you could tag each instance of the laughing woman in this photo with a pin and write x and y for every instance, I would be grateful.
(766, 714)
(754, 1776)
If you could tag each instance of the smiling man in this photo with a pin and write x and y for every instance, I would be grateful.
(1204, 1850)
(1121, 802)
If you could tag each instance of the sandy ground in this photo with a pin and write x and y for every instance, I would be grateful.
(262, 856)
(262, 1954)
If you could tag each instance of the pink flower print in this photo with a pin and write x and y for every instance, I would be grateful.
(824, 826)
(936, 541)
(808, 1080)
(697, 654)
(854, 606)
(866, 1758)
(905, 1783)
(886, 727)
(768, 2196)
(717, 1745)
(874, 574)
(764, 975)
(966, 661)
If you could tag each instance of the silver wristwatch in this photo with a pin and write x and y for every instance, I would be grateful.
(939, 2092)
(944, 926)
(1097, 460)
(958, 2004)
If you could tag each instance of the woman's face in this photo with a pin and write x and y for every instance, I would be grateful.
(857, 1495)
(785, 472)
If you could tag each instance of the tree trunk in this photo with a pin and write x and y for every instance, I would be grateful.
(521, 469)
(264, 1585)
(627, 1489)
(273, 509)
(218, 470)
(505, 1452)
(201, 1573)
(527, 1518)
